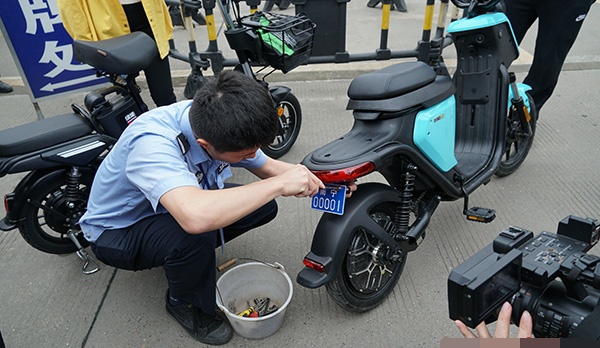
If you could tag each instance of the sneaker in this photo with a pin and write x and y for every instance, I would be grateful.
(209, 329)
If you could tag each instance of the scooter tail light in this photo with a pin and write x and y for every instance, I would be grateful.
(8, 199)
(345, 174)
(314, 265)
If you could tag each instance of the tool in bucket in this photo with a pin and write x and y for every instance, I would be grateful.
(262, 306)
(257, 290)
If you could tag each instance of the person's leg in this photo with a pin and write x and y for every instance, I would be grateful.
(179, 265)
(188, 259)
(160, 84)
(559, 25)
(521, 14)
(263, 215)
(189, 265)
(158, 74)
(259, 217)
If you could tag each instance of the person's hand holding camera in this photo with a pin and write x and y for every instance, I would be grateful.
(502, 327)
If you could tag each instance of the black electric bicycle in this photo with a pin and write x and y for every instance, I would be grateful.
(261, 40)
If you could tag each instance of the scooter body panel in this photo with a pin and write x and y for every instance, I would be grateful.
(485, 48)
(488, 28)
(486, 21)
(434, 133)
(386, 141)
(78, 152)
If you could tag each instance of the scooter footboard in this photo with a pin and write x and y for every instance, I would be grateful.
(333, 232)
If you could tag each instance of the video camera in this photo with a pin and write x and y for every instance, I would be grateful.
(550, 275)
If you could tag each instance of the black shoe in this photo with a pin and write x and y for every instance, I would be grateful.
(373, 3)
(209, 329)
(5, 87)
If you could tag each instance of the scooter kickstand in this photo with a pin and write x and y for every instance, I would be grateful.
(83, 255)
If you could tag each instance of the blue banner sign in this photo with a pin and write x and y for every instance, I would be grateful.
(42, 49)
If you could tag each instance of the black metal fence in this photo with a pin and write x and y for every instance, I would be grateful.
(330, 32)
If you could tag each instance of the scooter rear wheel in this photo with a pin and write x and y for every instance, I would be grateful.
(517, 146)
(290, 120)
(46, 220)
(369, 273)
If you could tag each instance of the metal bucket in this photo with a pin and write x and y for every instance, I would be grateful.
(242, 284)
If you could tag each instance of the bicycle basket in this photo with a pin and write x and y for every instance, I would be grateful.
(286, 41)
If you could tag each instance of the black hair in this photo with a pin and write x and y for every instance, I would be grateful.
(233, 112)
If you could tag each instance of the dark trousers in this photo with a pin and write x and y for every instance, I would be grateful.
(559, 24)
(158, 74)
(188, 259)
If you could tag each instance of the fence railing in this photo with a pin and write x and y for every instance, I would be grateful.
(330, 36)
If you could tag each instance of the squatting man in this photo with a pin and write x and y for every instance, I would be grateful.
(160, 197)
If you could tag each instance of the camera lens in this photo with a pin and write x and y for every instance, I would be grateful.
(554, 313)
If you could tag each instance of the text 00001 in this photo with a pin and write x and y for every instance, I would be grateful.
(331, 199)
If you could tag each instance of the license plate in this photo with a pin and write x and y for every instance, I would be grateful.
(331, 199)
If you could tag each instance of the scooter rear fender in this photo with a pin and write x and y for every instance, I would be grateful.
(333, 232)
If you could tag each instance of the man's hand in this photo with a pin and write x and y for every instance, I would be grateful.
(502, 327)
(299, 181)
(350, 187)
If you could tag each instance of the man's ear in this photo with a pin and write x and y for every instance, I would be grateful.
(203, 143)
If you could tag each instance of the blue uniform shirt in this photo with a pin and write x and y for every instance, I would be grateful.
(147, 162)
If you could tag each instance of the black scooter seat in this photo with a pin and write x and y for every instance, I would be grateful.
(41, 134)
(391, 81)
(127, 54)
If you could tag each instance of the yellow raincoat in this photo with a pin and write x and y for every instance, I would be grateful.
(94, 20)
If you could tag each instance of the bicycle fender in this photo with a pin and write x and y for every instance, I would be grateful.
(278, 93)
(333, 232)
